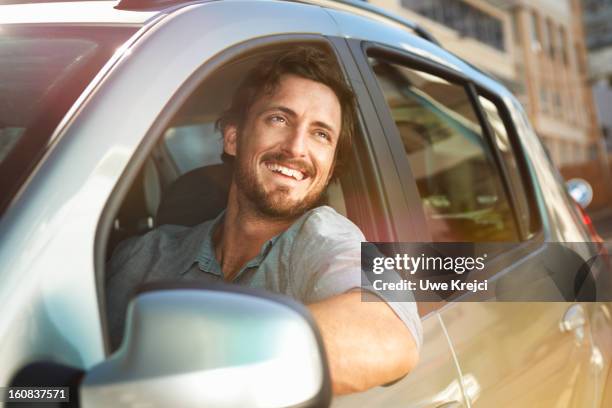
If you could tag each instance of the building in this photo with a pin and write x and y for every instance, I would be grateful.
(560, 103)
(598, 24)
(537, 48)
(476, 31)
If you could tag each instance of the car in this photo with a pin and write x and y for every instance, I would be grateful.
(107, 112)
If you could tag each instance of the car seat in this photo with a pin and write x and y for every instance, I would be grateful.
(196, 196)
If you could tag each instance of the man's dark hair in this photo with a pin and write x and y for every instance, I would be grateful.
(306, 62)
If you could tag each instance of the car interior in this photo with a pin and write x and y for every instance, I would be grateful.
(185, 181)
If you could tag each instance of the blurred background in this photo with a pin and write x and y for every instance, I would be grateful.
(556, 57)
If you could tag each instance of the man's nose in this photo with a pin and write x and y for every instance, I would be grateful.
(295, 142)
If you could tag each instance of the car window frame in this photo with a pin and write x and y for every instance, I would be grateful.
(500, 263)
(520, 155)
(377, 185)
(360, 206)
(419, 63)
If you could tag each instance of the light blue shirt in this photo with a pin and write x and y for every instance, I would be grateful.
(317, 257)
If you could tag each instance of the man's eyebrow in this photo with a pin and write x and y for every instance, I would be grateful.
(284, 109)
(292, 113)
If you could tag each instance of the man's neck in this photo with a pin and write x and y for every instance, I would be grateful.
(242, 234)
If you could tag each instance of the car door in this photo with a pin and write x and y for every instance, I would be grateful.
(510, 353)
(55, 234)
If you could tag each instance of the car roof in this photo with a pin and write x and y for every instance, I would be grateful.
(72, 12)
(372, 11)
(139, 11)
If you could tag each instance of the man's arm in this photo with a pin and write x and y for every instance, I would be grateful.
(367, 344)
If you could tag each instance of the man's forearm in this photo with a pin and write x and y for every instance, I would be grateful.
(366, 343)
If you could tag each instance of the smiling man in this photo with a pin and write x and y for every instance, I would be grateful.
(289, 131)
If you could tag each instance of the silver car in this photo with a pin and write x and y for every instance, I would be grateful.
(105, 108)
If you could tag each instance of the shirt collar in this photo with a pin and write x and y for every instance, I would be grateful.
(205, 257)
(207, 261)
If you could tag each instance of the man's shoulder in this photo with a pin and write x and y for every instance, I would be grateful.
(166, 241)
(326, 223)
(163, 236)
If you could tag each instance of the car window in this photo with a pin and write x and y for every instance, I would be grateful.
(43, 70)
(526, 212)
(460, 186)
(186, 179)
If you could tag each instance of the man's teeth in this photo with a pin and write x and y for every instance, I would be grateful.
(296, 174)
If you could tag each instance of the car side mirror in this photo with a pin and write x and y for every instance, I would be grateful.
(212, 346)
(581, 191)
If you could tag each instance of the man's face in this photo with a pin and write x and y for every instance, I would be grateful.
(285, 149)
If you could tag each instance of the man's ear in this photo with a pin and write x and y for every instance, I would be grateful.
(230, 136)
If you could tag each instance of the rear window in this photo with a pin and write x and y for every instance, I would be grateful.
(43, 70)
(461, 188)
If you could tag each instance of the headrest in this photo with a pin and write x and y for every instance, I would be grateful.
(196, 196)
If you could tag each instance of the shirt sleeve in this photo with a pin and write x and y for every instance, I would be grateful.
(330, 255)
(125, 271)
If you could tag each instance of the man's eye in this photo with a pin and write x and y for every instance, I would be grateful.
(277, 119)
(323, 135)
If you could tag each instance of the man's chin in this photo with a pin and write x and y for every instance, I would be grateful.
(282, 210)
(276, 201)
(282, 206)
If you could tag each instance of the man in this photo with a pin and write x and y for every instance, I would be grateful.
(289, 130)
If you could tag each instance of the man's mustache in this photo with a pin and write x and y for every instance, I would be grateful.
(285, 160)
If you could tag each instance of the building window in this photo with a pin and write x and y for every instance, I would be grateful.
(580, 58)
(607, 135)
(593, 152)
(464, 18)
(558, 33)
(545, 35)
(516, 33)
(543, 99)
(557, 103)
(563, 45)
(550, 34)
(534, 29)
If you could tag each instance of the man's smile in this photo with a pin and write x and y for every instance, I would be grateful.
(286, 170)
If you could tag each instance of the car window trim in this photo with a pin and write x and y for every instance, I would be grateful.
(390, 137)
(489, 136)
(366, 194)
(381, 184)
(521, 159)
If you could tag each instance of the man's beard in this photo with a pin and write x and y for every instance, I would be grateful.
(276, 203)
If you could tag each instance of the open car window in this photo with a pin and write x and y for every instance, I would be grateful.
(185, 180)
